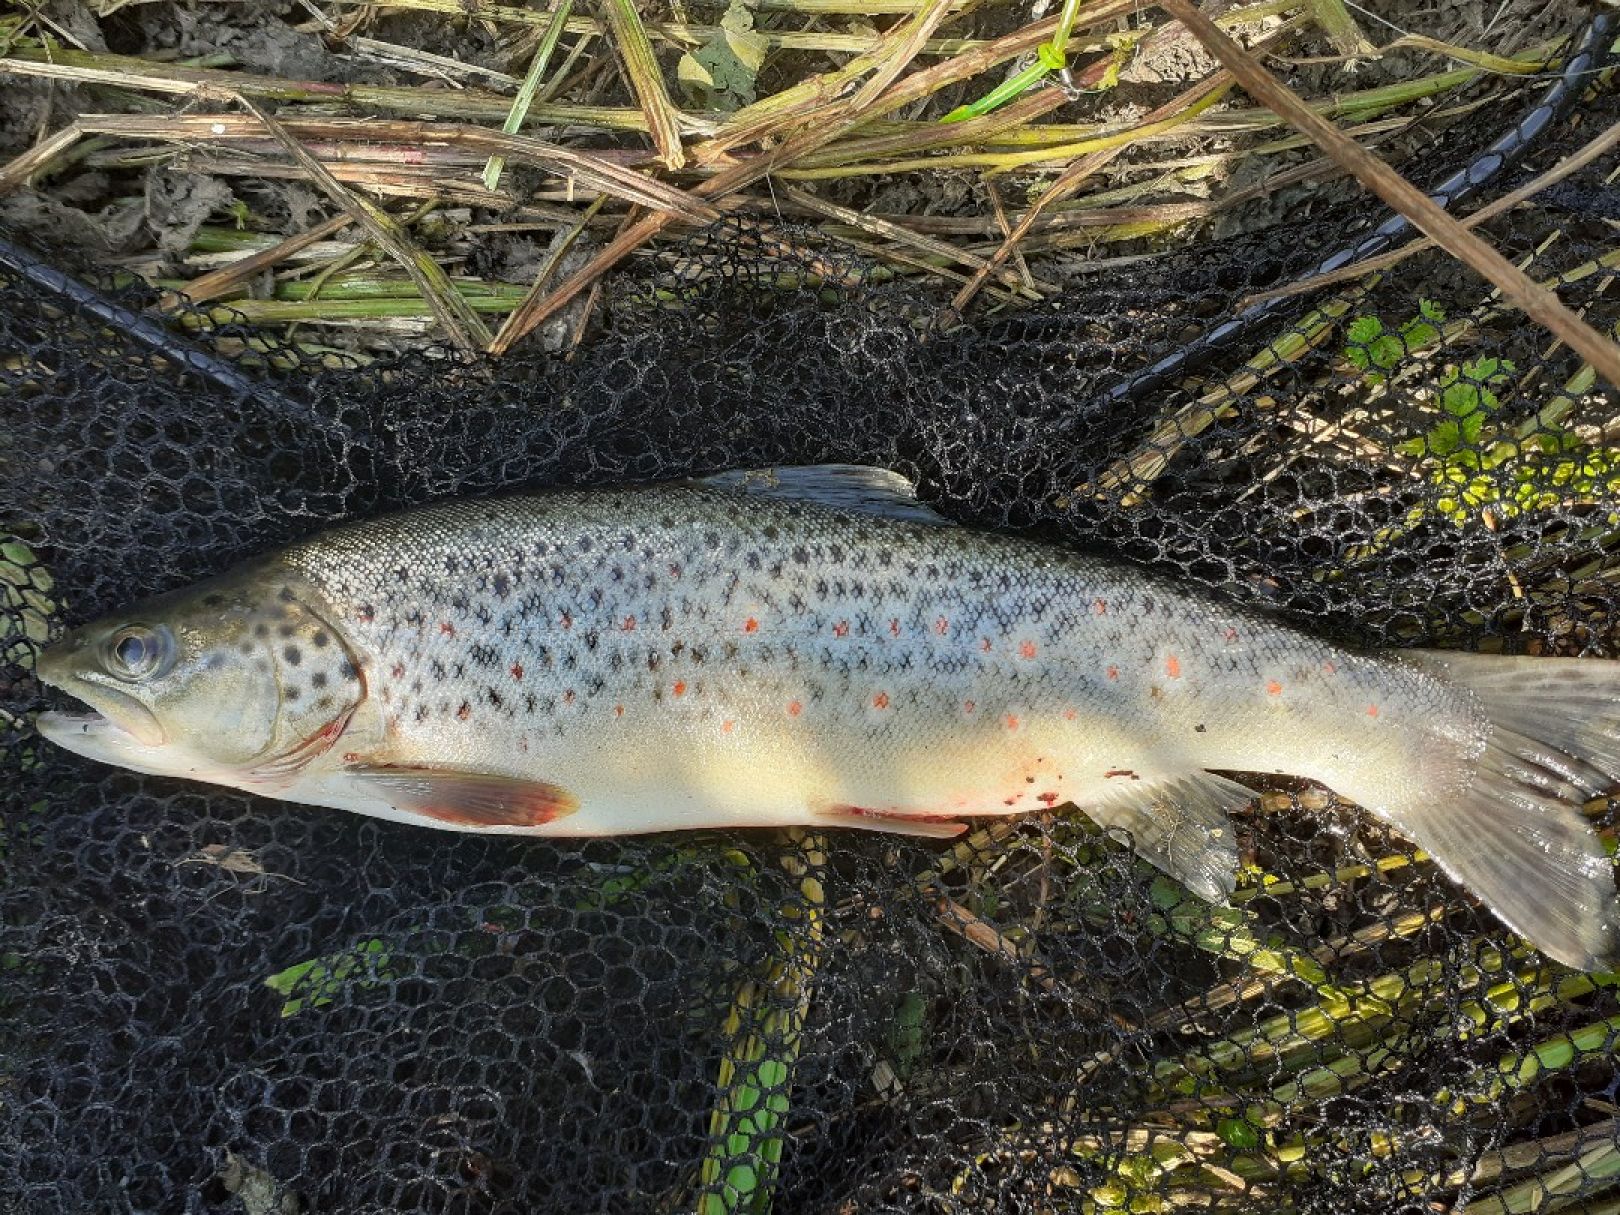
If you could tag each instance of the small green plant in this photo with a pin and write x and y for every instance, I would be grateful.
(318, 981)
(1467, 455)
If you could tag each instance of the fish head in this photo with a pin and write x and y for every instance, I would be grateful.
(241, 680)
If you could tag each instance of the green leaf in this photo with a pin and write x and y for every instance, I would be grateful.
(721, 73)
(318, 981)
(1238, 1132)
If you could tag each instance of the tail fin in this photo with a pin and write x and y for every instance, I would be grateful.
(1521, 843)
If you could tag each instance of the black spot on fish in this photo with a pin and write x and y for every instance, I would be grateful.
(421, 712)
(213, 600)
(653, 660)
(285, 594)
(323, 702)
(261, 631)
(215, 662)
(292, 692)
(711, 539)
(591, 640)
(485, 655)
(494, 697)
(346, 670)
(1199, 728)
(437, 669)
(584, 544)
(318, 679)
(245, 648)
(502, 585)
(293, 655)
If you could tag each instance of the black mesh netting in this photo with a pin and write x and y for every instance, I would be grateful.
(210, 1003)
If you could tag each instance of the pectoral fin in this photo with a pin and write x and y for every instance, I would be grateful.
(467, 800)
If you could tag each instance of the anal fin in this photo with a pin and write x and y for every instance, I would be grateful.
(1180, 824)
(466, 800)
(897, 822)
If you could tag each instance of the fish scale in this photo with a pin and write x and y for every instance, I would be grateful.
(729, 655)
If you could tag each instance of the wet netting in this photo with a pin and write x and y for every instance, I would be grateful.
(213, 1003)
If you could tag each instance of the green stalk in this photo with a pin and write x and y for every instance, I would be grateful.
(531, 85)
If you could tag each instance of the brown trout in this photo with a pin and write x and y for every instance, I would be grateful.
(812, 647)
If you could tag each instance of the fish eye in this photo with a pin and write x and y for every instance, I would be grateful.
(137, 651)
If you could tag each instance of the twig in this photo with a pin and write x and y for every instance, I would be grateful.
(646, 80)
(1540, 305)
(1571, 164)
(219, 282)
(519, 315)
(18, 172)
(462, 325)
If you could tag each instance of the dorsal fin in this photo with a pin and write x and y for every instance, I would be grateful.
(850, 487)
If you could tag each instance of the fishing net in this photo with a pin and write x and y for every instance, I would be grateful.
(214, 1003)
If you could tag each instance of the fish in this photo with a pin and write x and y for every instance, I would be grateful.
(814, 647)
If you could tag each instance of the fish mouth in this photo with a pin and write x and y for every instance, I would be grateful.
(112, 711)
(96, 736)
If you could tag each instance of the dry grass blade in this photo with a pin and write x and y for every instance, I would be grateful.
(1341, 29)
(597, 172)
(925, 23)
(130, 72)
(646, 80)
(518, 320)
(1539, 304)
(460, 322)
(221, 282)
(17, 173)
(1591, 151)
(888, 230)
(1182, 109)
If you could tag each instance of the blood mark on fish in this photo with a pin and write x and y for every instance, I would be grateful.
(517, 671)
(794, 708)
(1172, 667)
(880, 701)
(1027, 650)
(1273, 688)
(750, 625)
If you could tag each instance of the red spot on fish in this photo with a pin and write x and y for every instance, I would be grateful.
(629, 625)
(1100, 606)
(1026, 650)
(618, 710)
(463, 713)
(726, 727)
(841, 629)
(365, 615)
(523, 745)
(1273, 688)
(567, 621)
(517, 670)
(1049, 799)
(1172, 667)
(1069, 714)
(942, 626)
(448, 629)
(1009, 801)
(674, 570)
(1011, 721)
(351, 757)
(794, 708)
(680, 687)
(894, 626)
(968, 706)
(399, 670)
(1113, 672)
(1125, 772)
(984, 644)
(751, 625)
(1328, 668)
(880, 701)
(1372, 710)
(568, 697)
(1231, 635)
